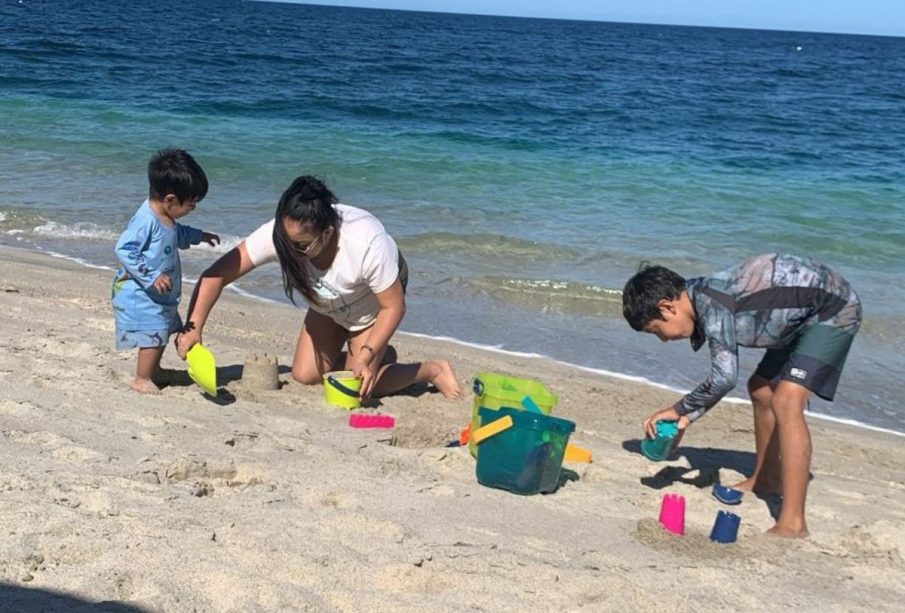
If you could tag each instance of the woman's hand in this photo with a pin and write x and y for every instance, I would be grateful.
(365, 368)
(231, 266)
(186, 339)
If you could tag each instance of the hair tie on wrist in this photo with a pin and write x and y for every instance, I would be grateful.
(369, 348)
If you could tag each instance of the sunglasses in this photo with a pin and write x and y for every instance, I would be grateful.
(306, 249)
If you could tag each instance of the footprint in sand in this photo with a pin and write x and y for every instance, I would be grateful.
(209, 474)
(880, 540)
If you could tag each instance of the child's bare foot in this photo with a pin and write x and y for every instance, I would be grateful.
(789, 532)
(445, 380)
(760, 486)
(145, 386)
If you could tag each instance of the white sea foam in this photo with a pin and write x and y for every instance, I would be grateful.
(74, 259)
(227, 242)
(87, 230)
(81, 230)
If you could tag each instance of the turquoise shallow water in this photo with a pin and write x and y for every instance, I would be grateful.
(526, 167)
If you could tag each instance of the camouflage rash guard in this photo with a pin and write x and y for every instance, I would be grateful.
(767, 301)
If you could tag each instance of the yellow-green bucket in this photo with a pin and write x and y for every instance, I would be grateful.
(495, 391)
(341, 389)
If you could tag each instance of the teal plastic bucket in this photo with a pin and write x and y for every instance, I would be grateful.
(658, 448)
(526, 458)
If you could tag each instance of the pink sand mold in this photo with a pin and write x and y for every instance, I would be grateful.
(672, 513)
(363, 420)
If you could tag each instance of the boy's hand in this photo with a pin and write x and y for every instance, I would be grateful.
(163, 283)
(210, 238)
(669, 414)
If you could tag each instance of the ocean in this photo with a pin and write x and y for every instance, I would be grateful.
(526, 167)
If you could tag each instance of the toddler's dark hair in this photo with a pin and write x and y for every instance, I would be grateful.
(174, 171)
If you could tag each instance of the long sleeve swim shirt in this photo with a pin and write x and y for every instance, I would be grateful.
(763, 302)
(147, 249)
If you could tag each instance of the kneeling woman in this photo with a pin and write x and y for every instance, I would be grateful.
(349, 270)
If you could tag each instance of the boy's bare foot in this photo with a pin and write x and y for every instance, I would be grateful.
(445, 380)
(761, 486)
(145, 386)
(793, 532)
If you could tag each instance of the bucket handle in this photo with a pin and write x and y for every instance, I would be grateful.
(342, 388)
(494, 427)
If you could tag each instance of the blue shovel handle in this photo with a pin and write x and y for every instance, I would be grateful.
(342, 388)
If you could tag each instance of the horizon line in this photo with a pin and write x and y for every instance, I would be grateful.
(587, 20)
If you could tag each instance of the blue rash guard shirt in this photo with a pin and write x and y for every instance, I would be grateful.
(147, 249)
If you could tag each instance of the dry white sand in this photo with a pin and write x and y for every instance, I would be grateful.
(269, 501)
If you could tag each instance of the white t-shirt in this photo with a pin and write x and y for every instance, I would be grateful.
(366, 263)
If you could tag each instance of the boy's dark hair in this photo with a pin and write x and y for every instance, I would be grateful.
(643, 293)
(310, 202)
(174, 171)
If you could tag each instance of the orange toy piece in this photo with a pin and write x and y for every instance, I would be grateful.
(574, 453)
(465, 435)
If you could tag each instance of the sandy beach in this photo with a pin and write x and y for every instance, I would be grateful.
(269, 501)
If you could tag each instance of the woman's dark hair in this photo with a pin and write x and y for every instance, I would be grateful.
(643, 292)
(309, 202)
(174, 171)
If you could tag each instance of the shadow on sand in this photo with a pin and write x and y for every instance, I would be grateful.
(705, 462)
(703, 469)
(33, 600)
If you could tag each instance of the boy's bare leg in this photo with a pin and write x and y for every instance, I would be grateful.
(148, 361)
(766, 478)
(789, 403)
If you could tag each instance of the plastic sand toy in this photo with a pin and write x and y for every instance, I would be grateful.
(727, 495)
(342, 388)
(494, 427)
(357, 420)
(725, 527)
(672, 513)
(524, 457)
(574, 453)
(202, 368)
(658, 448)
(495, 391)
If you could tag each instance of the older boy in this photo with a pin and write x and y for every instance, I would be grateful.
(148, 284)
(803, 312)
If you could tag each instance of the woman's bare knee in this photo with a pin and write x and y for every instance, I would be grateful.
(306, 376)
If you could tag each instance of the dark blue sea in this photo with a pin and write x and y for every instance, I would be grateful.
(525, 166)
